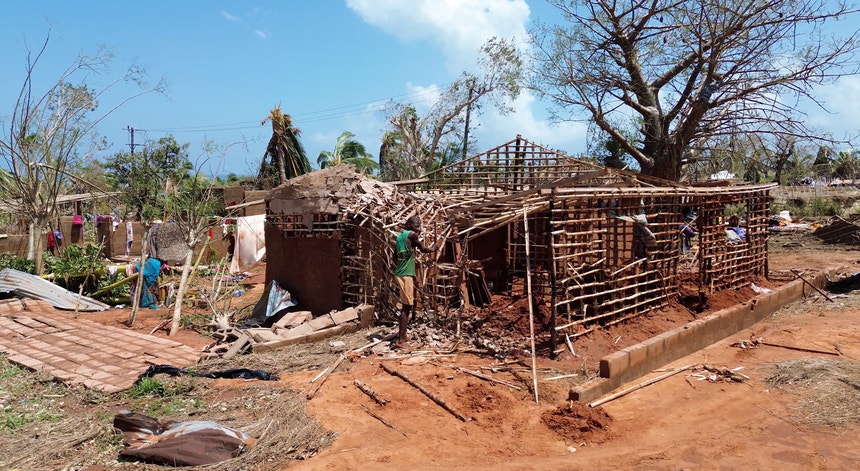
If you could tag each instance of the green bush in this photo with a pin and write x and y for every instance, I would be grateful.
(8, 260)
(815, 207)
(77, 265)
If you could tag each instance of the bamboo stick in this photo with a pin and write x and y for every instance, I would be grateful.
(384, 422)
(799, 275)
(800, 349)
(641, 385)
(531, 309)
(310, 395)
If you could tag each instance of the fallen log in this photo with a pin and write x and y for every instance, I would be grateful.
(313, 391)
(377, 417)
(370, 392)
(641, 385)
(427, 393)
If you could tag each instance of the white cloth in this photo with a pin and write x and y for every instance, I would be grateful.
(129, 237)
(250, 242)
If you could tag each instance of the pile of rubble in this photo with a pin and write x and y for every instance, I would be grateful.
(839, 231)
(291, 328)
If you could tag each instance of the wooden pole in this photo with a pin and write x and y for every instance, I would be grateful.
(799, 349)
(427, 393)
(489, 378)
(370, 392)
(135, 300)
(641, 385)
(553, 335)
(797, 274)
(531, 309)
(312, 392)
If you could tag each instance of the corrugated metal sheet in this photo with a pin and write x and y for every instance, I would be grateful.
(32, 286)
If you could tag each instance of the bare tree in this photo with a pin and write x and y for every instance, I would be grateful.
(420, 138)
(149, 180)
(690, 71)
(46, 133)
(191, 206)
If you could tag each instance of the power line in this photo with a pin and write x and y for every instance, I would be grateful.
(309, 117)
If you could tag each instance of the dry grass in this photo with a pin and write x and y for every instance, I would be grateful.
(828, 389)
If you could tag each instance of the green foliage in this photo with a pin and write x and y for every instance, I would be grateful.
(77, 265)
(8, 260)
(732, 209)
(285, 156)
(163, 400)
(348, 150)
(13, 421)
(815, 207)
(19, 411)
(8, 370)
(148, 177)
(147, 387)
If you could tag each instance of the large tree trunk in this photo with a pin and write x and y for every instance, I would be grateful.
(34, 242)
(180, 293)
(667, 163)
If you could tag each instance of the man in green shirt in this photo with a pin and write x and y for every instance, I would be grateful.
(404, 272)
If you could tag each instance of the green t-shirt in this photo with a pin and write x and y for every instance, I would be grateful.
(404, 256)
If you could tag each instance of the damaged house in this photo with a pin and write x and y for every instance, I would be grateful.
(597, 245)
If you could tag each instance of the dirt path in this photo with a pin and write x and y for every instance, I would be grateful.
(678, 423)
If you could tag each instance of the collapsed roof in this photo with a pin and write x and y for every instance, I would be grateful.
(599, 245)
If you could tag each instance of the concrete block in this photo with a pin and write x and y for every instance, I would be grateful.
(263, 334)
(614, 363)
(366, 314)
(297, 331)
(655, 347)
(638, 355)
(292, 319)
(347, 315)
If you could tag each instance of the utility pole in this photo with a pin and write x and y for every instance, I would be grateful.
(466, 131)
(131, 133)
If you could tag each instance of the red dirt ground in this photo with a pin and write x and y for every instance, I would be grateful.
(676, 424)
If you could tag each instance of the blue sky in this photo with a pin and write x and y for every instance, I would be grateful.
(331, 64)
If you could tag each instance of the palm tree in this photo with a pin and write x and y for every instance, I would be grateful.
(348, 150)
(284, 153)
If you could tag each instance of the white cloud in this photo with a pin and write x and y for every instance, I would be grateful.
(840, 116)
(230, 17)
(494, 129)
(423, 97)
(261, 34)
(458, 27)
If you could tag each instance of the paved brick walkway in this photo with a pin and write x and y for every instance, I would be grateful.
(80, 352)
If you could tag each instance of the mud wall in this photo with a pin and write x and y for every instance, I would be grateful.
(308, 267)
